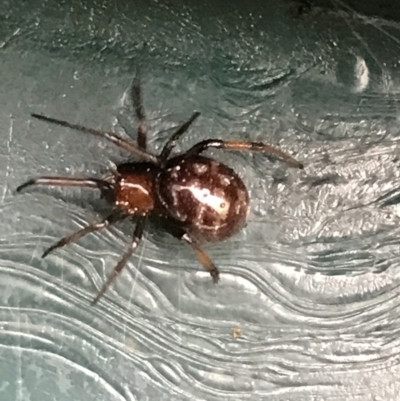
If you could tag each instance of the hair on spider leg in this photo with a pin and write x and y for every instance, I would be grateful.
(202, 199)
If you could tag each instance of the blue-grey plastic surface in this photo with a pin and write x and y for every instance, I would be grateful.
(308, 303)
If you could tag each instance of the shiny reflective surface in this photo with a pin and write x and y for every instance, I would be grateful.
(309, 305)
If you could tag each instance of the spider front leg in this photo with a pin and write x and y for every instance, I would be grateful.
(136, 238)
(111, 219)
(243, 145)
(123, 143)
(137, 101)
(171, 143)
(60, 181)
(202, 256)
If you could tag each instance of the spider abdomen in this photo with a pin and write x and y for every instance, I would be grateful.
(206, 196)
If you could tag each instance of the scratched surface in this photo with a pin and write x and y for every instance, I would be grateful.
(308, 303)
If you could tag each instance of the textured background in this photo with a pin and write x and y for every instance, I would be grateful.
(312, 283)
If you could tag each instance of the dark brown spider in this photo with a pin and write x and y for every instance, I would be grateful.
(200, 198)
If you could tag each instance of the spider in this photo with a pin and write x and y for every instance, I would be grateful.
(198, 198)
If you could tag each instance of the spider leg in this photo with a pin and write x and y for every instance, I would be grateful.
(67, 182)
(137, 101)
(125, 144)
(243, 145)
(202, 256)
(111, 219)
(168, 147)
(136, 238)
